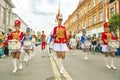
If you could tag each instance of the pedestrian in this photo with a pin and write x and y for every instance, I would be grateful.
(14, 39)
(1, 45)
(94, 44)
(85, 41)
(60, 42)
(1, 50)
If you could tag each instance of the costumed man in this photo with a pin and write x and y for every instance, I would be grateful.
(106, 37)
(60, 42)
(15, 36)
(43, 36)
(85, 41)
(27, 45)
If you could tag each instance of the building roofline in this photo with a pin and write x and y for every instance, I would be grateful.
(10, 2)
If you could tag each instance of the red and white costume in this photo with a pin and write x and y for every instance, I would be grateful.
(107, 36)
(43, 45)
(60, 38)
(16, 35)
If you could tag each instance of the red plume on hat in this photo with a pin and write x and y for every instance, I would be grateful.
(17, 23)
(106, 25)
(58, 14)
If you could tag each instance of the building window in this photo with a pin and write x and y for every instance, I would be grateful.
(100, 0)
(112, 11)
(84, 10)
(9, 18)
(110, 1)
(93, 3)
(77, 16)
(94, 19)
(3, 15)
(89, 22)
(0, 11)
(88, 7)
(101, 16)
(84, 23)
(81, 13)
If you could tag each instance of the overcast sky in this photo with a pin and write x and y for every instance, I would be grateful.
(40, 14)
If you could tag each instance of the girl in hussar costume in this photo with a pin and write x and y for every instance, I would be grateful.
(85, 44)
(15, 37)
(72, 44)
(27, 45)
(106, 37)
(60, 42)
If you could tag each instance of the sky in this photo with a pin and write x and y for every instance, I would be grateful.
(40, 14)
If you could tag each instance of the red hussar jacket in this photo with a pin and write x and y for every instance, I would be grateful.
(106, 36)
(17, 35)
(59, 34)
(43, 36)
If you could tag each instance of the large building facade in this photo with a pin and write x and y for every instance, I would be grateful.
(7, 17)
(91, 14)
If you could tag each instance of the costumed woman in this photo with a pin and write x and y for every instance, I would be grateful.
(14, 44)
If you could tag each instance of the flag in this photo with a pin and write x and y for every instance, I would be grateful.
(58, 14)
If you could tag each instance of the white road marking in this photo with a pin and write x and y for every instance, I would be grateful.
(55, 70)
(65, 74)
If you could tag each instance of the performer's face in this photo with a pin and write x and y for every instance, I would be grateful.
(16, 27)
(60, 21)
(84, 33)
(107, 29)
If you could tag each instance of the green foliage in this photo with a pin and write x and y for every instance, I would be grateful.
(38, 39)
(38, 36)
(114, 23)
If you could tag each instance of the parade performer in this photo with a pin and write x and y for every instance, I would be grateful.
(43, 36)
(85, 41)
(60, 42)
(33, 42)
(27, 44)
(72, 44)
(106, 37)
(50, 43)
(15, 37)
(69, 37)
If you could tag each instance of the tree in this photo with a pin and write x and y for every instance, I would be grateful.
(38, 36)
(115, 23)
